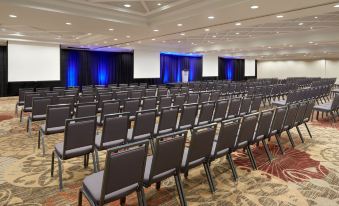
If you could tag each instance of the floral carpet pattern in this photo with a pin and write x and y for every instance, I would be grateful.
(305, 175)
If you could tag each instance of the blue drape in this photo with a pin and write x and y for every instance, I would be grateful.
(231, 69)
(171, 67)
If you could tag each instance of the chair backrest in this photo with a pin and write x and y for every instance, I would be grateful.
(136, 94)
(214, 96)
(179, 100)
(309, 111)
(291, 114)
(144, 125)
(124, 167)
(165, 101)
(227, 135)
(88, 109)
(115, 129)
(247, 130)
(67, 99)
(39, 105)
(71, 92)
(220, 110)
(59, 90)
(104, 97)
(28, 98)
(335, 102)
(264, 124)
(122, 95)
(131, 106)
(204, 97)
(149, 103)
(150, 92)
(168, 154)
(86, 98)
(255, 105)
(22, 93)
(192, 98)
(57, 115)
(168, 120)
(206, 113)
(53, 95)
(234, 107)
(301, 113)
(201, 145)
(188, 115)
(79, 133)
(245, 105)
(278, 119)
(162, 92)
(42, 90)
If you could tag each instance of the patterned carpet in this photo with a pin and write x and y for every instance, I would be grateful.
(306, 175)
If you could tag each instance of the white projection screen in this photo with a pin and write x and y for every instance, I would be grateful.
(33, 62)
(249, 67)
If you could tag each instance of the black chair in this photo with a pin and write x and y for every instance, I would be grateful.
(188, 116)
(233, 108)
(328, 108)
(136, 94)
(55, 122)
(114, 132)
(28, 97)
(149, 103)
(214, 96)
(22, 98)
(263, 130)
(78, 141)
(150, 92)
(104, 97)
(123, 175)
(67, 99)
(308, 114)
(246, 134)
(167, 121)
(224, 144)
(277, 123)
(245, 106)
(199, 151)
(299, 120)
(204, 97)
(132, 106)
(143, 126)
(255, 105)
(165, 101)
(179, 100)
(86, 98)
(88, 109)
(192, 98)
(220, 110)
(206, 113)
(166, 161)
(39, 109)
(122, 95)
(291, 114)
(108, 107)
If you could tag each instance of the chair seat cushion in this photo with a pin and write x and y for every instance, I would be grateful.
(186, 165)
(92, 185)
(218, 154)
(136, 138)
(107, 145)
(59, 148)
(52, 130)
(39, 117)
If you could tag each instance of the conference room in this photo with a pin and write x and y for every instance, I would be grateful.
(169, 102)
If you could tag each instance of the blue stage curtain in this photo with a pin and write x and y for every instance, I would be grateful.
(231, 69)
(171, 67)
(96, 68)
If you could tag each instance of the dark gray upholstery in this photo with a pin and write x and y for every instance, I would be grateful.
(168, 120)
(149, 103)
(39, 109)
(188, 115)
(109, 107)
(179, 100)
(220, 110)
(245, 106)
(214, 96)
(131, 106)
(104, 97)
(255, 105)
(123, 174)
(165, 101)
(204, 97)
(136, 94)
(192, 98)
(150, 92)
(88, 109)
(162, 92)
(86, 98)
(206, 113)
(233, 108)
(143, 126)
(122, 95)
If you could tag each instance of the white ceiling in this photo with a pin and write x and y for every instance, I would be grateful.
(109, 25)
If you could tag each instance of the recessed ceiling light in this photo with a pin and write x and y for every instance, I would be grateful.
(311, 27)
(254, 7)
(336, 6)
(280, 16)
(153, 39)
(207, 29)
(127, 44)
(115, 39)
(159, 4)
(211, 17)
(315, 17)
(156, 30)
(311, 42)
(238, 24)
(214, 36)
(128, 36)
(89, 33)
(68, 23)
(269, 47)
(237, 33)
(179, 41)
(300, 24)
(16, 34)
(111, 29)
(277, 32)
(127, 5)
(12, 16)
(179, 24)
(182, 34)
(163, 41)
(291, 45)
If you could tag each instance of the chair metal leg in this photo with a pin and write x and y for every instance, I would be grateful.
(80, 198)
(251, 157)
(277, 137)
(16, 109)
(267, 150)
(144, 201)
(94, 162)
(97, 159)
(60, 173)
(300, 135)
(232, 166)
(21, 113)
(290, 138)
(29, 126)
(85, 161)
(308, 130)
(123, 201)
(43, 143)
(140, 201)
(209, 177)
(180, 191)
(52, 165)
(333, 117)
(158, 185)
